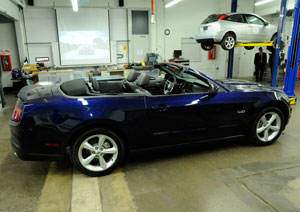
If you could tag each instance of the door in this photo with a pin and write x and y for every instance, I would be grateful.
(237, 23)
(185, 118)
(256, 29)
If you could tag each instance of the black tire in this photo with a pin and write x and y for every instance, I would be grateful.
(118, 144)
(228, 41)
(249, 47)
(274, 38)
(256, 139)
(207, 46)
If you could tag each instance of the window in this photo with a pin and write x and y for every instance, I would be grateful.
(211, 18)
(235, 18)
(251, 19)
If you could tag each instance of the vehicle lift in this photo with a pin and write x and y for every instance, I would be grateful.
(293, 52)
(293, 56)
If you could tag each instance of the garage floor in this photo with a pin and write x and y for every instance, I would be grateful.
(231, 176)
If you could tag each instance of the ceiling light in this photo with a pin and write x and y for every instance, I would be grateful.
(172, 3)
(262, 2)
(75, 5)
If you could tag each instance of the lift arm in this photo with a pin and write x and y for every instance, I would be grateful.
(254, 44)
(293, 55)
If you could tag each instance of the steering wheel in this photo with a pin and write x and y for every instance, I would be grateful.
(169, 85)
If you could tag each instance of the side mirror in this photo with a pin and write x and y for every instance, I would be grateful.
(266, 23)
(213, 90)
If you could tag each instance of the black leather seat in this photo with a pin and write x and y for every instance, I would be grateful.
(129, 83)
(142, 81)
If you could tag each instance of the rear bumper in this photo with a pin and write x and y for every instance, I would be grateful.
(22, 147)
(23, 155)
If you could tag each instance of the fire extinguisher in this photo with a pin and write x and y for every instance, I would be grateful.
(6, 62)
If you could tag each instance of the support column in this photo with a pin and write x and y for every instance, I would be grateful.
(282, 15)
(231, 52)
(293, 55)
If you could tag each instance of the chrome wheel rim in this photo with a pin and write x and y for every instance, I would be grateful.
(229, 42)
(268, 127)
(98, 152)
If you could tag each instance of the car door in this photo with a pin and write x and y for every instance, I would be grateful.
(238, 24)
(256, 29)
(184, 118)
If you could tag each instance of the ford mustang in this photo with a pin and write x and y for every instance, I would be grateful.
(101, 121)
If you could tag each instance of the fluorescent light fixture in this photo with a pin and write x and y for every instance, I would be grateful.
(172, 3)
(262, 2)
(75, 5)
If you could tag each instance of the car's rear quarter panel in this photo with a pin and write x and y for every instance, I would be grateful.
(59, 119)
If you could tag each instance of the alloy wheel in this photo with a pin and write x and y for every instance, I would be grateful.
(268, 126)
(229, 42)
(98, 152)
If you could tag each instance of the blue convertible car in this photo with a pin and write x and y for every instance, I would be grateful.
(100, 121)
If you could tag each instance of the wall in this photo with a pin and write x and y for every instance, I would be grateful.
(183, 20)
(8, 42)
(272, 7)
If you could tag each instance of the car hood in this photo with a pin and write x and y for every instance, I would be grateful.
(246, 86)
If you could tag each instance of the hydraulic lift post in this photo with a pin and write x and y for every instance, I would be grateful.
(293, 55)
(281, 20)
(231, 52)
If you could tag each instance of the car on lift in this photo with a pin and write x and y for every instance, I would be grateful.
(229, 28)
(98, 122)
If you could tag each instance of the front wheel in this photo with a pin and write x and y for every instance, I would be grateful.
(228, 41)
(97, 152)
(267, 126)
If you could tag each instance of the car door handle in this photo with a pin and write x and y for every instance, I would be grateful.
(160, 107)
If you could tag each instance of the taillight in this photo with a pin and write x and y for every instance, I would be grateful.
(223, 16)
(17, 113)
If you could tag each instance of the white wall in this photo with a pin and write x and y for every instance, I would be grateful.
(272, 7)
(182, 19)
(8, 42)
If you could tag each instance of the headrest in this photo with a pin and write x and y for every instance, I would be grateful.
(143, 80)
(95, 84)
(132, 76)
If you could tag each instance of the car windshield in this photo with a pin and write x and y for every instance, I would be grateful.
(211, 18)
(187, 75)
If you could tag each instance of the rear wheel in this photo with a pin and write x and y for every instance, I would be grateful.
(97, 152)
(267, 126)
(207, 46)
(274, 39)
(228, 41)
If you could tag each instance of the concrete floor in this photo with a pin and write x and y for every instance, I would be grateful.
(223, 176)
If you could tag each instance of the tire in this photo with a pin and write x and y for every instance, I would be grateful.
(228, 41)
(260, 127)
(207, 46)
(86, 149)
(249, 47)
(274, 38)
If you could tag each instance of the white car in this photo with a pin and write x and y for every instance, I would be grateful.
(228, 29)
